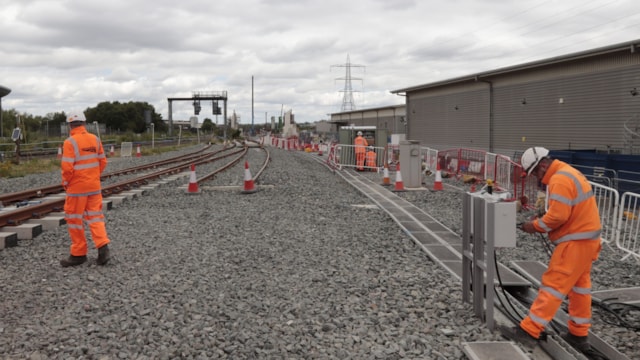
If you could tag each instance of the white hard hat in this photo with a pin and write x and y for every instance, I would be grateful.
(76, 117)
(531, 157)
(359, 133)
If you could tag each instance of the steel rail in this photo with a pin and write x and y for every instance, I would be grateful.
(39, 192)
(21, 214)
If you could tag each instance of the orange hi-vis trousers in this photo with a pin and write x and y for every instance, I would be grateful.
(360, 155)
(89, 209)
(568, 274)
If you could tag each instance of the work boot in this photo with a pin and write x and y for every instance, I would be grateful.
(580, 343)
(103, 255)
(517, 334)
(73, 260)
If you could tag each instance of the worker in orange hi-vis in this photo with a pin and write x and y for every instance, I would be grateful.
(83, 160)
(370, 159)
(573, 224)
(360, 149)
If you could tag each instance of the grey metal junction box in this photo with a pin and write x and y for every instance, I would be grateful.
(410, 163)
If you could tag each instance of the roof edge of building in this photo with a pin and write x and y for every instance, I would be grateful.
(631, 46)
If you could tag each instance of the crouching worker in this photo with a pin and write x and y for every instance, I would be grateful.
(83, 160)
(370, 158)
(573, 224)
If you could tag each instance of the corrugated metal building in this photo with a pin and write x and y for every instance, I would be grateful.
(578, 101)
(392, 118)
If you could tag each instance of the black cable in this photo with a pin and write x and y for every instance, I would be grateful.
(546, 244)
(620, 312)
(517, 315)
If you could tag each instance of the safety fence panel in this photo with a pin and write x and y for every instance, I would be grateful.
(459, 162)
(448, 160)
(607, 200)
(490, 166)
(507, 177)
(333, 158)
(624, 185)
(597, 174)
(344, 156)
(471, 162)
(628, 234)
(429, 158)
(286, 143)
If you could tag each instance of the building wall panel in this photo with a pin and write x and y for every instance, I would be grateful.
(585, 111)
(457, 120)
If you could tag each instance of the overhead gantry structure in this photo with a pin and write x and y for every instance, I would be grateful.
(197, 98)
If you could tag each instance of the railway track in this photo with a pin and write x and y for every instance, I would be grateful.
(25, 208)
(412, 220)
(441, 244)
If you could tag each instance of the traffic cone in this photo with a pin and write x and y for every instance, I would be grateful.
(399, 187)
(249, 186)
(112, 151)
(59, 152)
(437, 184)
(320, 149)
(193, 183)
(385, 175)
(138, 154)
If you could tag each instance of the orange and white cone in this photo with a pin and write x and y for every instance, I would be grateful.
(399, 186)
(59, 152)
(138, 153)
(437, 184)
(193, 183)
(112, 151)
(385, 175)
(249, 186)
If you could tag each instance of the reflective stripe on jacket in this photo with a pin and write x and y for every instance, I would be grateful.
(573, 212)
(371, 158)
(83, 161)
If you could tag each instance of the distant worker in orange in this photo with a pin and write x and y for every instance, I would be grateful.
(573, 224)
(360, 148)
(370, 158)
(83, 160)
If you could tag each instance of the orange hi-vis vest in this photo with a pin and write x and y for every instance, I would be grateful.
(360, 144)
(83, 160)
(371, 158)
(573, 212)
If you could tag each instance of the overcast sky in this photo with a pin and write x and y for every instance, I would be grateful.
(64, 55)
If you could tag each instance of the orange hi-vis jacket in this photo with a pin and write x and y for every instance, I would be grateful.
(573, 224)
(360, 144)
(573, 212)
(83, 160)
(370, 158)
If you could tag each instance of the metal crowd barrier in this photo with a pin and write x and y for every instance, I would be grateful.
(344, 156)
(607, 199)
(620, 216)
(628, 231)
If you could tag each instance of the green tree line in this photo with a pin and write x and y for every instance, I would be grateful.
(117, 116)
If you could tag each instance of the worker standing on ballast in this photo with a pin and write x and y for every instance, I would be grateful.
(573, 225)
(83, 160)
(360, 148)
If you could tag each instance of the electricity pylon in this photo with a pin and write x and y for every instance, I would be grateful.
(348, 103)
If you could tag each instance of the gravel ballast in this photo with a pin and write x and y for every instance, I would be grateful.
(298, 270)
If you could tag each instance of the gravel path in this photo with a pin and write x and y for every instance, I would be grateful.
(298, 270)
